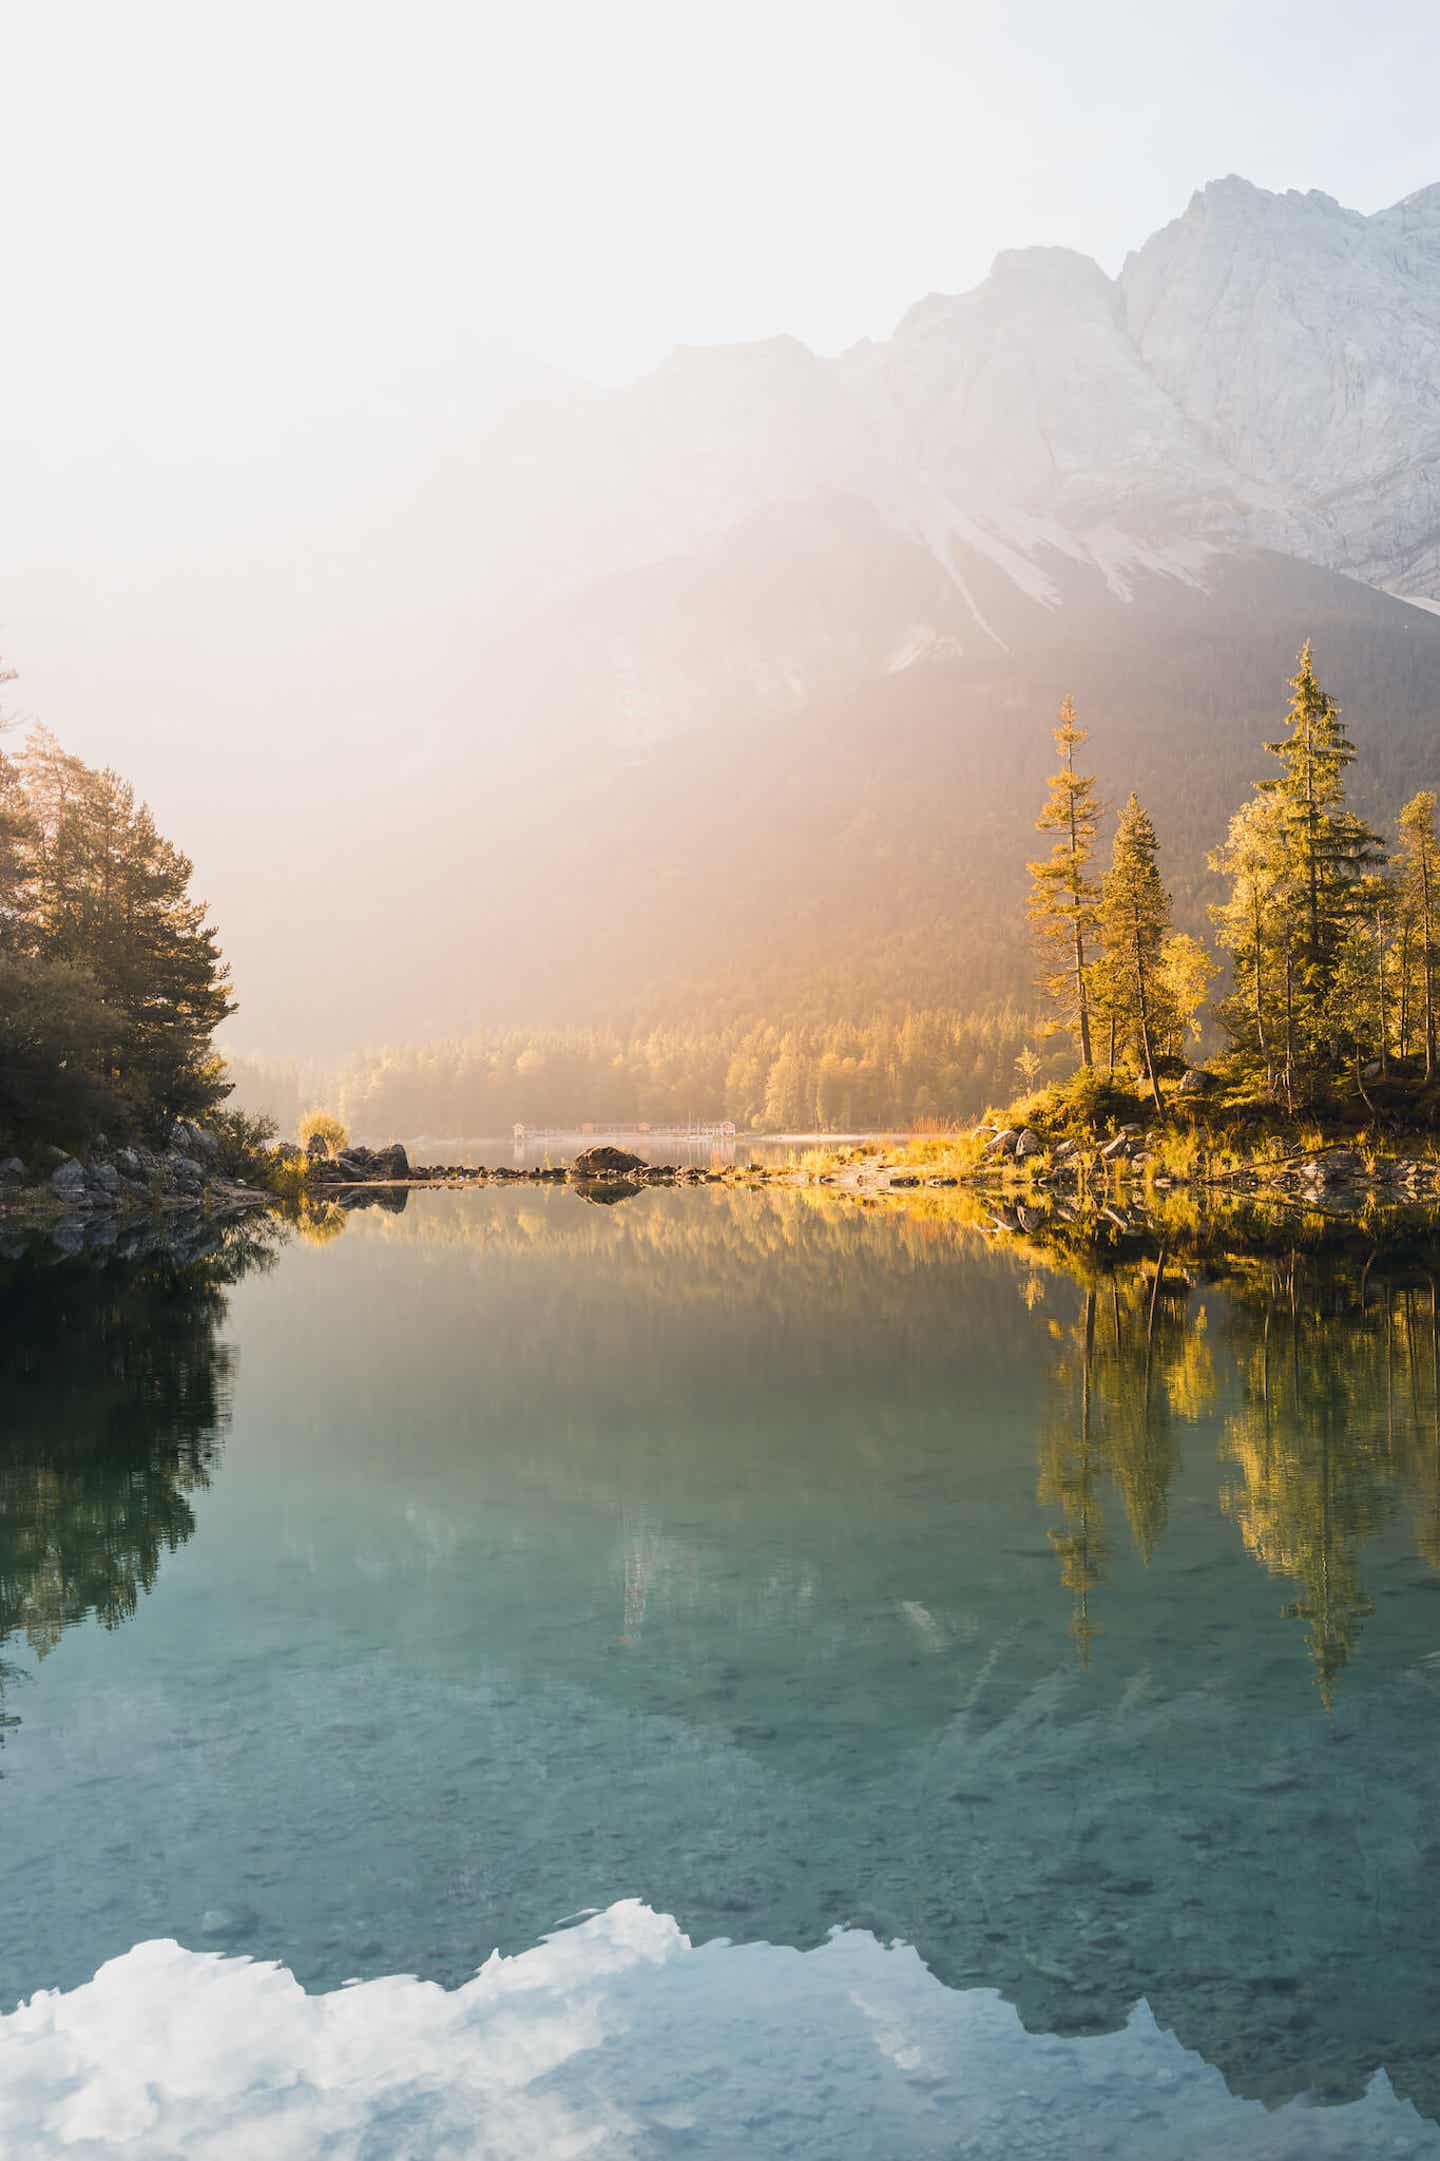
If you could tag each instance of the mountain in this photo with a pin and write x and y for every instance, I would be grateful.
(776, 724)
(733, 685)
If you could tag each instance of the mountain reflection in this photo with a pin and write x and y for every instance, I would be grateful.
(1327, 1382)
(114, 1397)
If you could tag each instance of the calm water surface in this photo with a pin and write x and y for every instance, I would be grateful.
(955, 1704)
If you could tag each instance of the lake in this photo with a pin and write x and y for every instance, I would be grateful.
(726, 1673)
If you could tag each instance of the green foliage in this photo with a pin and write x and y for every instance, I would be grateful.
(243, 1137)
(1134, 924)
(1089, 1102)
(114, 982)
(54, 1034)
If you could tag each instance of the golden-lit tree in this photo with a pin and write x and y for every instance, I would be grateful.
(1063, 895)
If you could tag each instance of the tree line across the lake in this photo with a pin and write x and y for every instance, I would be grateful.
(1331, 936)
(111, 979)
(899, 1070)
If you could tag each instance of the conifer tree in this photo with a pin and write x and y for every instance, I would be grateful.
(1134, 923)
(1329, 851)
(1063, 895)
(1420, 900)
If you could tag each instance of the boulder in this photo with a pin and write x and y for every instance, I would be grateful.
(1194, 1081)
(606, 1162)
(1062, 1149)
(1004, 1142)
(194, 1141)
(12, 1172)
(1028, 1144)
(393, 1162)
(68, 1180)
(105, 1178)
(1116, 1148)
(1371, 1071)
(185, 1172)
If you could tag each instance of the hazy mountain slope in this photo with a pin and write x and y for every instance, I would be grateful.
(735, 683)
(866, 845)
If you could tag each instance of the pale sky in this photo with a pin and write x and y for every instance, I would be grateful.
(226, 219)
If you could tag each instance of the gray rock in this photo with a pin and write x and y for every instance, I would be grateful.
(68, 1180)
(185, 1172)
(128, 1163)
(12, 1172)
(105, 1178)
(1113, 1149)
(1004, 1142)
(1028, 1144)
(1371, 1071)
(193, 1140)
(392, 1162)
(1194, 1081)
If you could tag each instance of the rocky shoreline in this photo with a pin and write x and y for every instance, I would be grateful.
(1022, 1179)
(115, 1182)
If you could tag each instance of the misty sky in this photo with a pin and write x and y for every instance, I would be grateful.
(272, 272)
(224, 219)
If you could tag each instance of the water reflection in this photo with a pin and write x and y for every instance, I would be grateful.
(692, 1550)
(1332, 1429)
(114, 1397)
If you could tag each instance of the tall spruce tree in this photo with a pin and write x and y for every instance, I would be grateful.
(1420, 903)
(1063, 894)
(1330, 851)
(1135, 923)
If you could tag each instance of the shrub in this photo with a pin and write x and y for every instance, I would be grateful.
(242, 1139)
(325, 1126)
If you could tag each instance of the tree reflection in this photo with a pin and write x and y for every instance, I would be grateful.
(1333, 1369)
(1136, 1359)
(114, 1397)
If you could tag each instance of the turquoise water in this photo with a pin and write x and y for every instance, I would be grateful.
(730, 1569)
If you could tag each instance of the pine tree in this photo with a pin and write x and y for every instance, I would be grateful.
(1329, 851)
(1063, 896)
(1420, 901)
(1134, 923)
